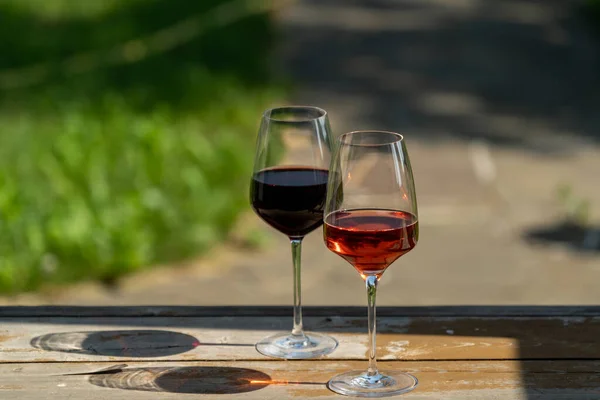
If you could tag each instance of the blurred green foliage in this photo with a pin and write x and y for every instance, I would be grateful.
(576, 209)
(118, 167)
(593, 8)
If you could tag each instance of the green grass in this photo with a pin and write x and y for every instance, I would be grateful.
(116, 167)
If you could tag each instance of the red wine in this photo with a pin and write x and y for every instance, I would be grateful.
(371, 239)
(290, 199)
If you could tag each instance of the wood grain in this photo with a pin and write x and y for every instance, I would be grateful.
(232, 338)
(514, 353)
(505, 380)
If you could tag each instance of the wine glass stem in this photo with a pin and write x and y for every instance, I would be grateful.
(371, 282)
(296, 258)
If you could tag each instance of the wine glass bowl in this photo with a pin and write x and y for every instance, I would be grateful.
(288, 190)
(371, 220)
(290, 199)
(371, 239)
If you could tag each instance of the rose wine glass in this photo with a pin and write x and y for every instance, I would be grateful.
(370, 221)
(287, 191)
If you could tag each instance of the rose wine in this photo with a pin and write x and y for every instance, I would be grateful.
(371, 239)
(290, 199)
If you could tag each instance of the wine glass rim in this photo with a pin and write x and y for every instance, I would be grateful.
(344, 138)
(321, 113)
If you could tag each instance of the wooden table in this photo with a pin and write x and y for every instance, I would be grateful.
(195, 352)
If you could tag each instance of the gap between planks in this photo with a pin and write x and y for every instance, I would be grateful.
(286, 311)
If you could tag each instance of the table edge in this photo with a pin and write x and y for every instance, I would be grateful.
(314, 311)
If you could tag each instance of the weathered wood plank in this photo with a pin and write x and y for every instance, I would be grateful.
(284, 311)
(232, 338)
(507, 380)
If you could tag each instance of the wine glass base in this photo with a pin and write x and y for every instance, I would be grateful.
(357, 383)
(290, 347)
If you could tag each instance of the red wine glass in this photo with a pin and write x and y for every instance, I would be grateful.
(287, 191)
(371, 221)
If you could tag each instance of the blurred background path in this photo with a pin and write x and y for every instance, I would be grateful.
(499, 104)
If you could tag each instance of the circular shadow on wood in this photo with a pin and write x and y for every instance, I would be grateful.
(199, 380)
(121, 343)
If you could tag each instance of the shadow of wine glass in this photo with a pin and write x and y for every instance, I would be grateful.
(198, 380)
(123, 343)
